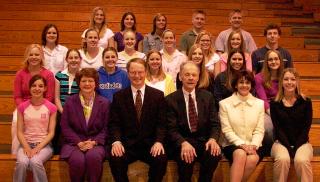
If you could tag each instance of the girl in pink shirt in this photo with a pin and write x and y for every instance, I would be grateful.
(35, 129)
(33, 64)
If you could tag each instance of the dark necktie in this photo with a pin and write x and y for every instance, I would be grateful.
(138, 104)
(193, 118)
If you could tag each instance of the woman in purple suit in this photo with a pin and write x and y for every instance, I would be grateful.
(84, 129)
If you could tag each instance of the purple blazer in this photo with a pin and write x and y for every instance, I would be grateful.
(74, 128)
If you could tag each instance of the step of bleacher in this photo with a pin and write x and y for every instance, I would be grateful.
(57, 170)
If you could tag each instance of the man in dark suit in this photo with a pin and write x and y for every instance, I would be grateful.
(193, 126)
(137, 126)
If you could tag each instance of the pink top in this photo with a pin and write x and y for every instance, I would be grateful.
(224, 60)
(36, 120)
(21, 90)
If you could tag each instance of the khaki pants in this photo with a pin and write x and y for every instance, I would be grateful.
(302, 162)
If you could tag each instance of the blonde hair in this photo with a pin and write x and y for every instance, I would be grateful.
(266, 73)
(204, 76)
(101, 31)
(280, 93)
(160, 74)
(211, 49)
(27, 53)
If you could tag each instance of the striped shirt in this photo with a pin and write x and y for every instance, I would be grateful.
(67, 87)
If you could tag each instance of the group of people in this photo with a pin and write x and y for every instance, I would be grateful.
(125, 97)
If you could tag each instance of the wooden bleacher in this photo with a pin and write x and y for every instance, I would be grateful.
(21, 23)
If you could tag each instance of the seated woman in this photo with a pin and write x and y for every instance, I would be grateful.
(54, 53)
(111, 78)
(128, 23)
(196, 55)
(267, 88)
(84, 129)
(212, 59)
(291, 115)
(222, 83)
(99, 23)
(171, 57)
(91, 53)
(155, 77)
(65, 87)
(152, 41)
(33, 64)
(235, 41)
(35, 129)
(129, 52)
(241, 117)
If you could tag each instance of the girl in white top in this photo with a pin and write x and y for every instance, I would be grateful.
(54, 53)
(98, 22)
(242, 125)
(129, 52)
(91, 54)
(212, 59)
(171, 57)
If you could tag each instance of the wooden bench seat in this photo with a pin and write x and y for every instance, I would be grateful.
(57, 170)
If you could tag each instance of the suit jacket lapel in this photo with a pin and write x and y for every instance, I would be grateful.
(200, 108)
(182, 107)
(132, 108)
(94, 111)
(80, 114)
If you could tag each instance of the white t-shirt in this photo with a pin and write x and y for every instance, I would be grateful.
(103, 41)
(55, 60)
(160, 85)
(124, 58)
(172, 67)
(213, 60)
(95, 63)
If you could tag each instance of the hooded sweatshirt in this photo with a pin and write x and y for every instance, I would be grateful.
(111, 83)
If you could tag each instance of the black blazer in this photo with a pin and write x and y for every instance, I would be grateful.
(124, 126)
(178, 128)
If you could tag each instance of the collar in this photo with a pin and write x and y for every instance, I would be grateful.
(142, 89)
(186, 93)
(65, 71)
(238, 99)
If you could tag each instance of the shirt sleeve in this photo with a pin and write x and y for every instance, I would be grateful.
(260, 90)
(219, 43)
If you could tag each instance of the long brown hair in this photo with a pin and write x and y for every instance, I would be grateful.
(230, 70)
(266, 73)
(204, 76)
(160, 74)
(280, 93)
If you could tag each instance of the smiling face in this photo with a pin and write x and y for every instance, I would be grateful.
(137, 74)
(205, 42)
(272, 36)
(154, 61)
(87, 85)
(273, 61)
(110, 59)
(235, 41)
(161, 22)
(129, 40)
(34, 58)
(51, 36)
(37, 89)
(99, 17)
(289, 82)
(189, 76)
(128, 22)
(236, 20)
(236, 61)
(92, 39)
(168, 40)
(73, 60)
(243, 86)
(198, 20)
(197, 56)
